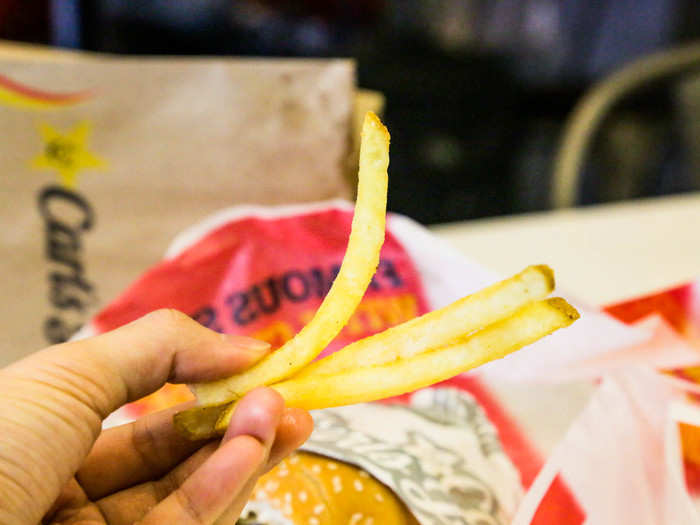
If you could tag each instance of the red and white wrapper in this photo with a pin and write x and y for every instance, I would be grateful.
(581, 453)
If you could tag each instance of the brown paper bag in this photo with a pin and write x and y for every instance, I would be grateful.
(104, 160)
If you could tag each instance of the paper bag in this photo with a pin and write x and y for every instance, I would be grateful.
(105, 160)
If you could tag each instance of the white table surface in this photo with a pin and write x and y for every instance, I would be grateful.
(601, 254)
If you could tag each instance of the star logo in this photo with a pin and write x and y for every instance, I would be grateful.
(67, 153)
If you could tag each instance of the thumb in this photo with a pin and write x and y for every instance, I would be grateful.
(54, 401)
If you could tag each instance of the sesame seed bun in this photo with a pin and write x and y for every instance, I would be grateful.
(313, 490)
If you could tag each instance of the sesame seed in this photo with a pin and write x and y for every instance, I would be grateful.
(332, 466)
(288, 497)
(272, 485)
(303, 496)
(359, 487)
(313, 520)
(369, 520)
(316, 469)
(294, 460)
(364, 474)
(378, 497)
(337, 484)
(318, 509)
(355, 518)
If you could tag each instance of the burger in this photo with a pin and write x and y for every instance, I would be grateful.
(311, 489)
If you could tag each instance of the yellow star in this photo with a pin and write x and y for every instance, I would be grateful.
(66, 153)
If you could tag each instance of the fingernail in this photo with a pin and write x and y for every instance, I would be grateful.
(247, 343)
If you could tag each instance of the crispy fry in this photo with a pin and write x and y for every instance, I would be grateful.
(440, 327)
(484, 326)
(358, 267)
(199, 422)
(530, 323)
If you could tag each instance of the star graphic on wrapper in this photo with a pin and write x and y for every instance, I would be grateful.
(67, 153)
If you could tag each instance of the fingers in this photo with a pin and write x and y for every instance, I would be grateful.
(146, 449)
(210, 490)
(127, 506)
(257, 415)
(294, 429)
(150, 447)
(227, 476)
(53, 401)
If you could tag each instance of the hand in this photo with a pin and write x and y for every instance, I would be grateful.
(57, 466)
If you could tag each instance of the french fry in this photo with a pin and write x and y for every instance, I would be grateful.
(360, 367)
(440, 327)
(358, 267)
(529, 324)
(433, 330)
(199, 422)
(484, 326)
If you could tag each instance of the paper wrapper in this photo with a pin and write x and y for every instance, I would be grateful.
(679, 309)
(263, 271)
(439, 454)
(106, 159)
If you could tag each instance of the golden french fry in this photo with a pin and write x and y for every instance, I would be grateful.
(358, 267)
(530, 323)
(472, 331)
(440, 327)
(434, 330)
(199, 422)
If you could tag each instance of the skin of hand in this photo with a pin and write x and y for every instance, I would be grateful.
(58, 466)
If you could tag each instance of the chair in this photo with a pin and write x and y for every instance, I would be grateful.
(591, 112)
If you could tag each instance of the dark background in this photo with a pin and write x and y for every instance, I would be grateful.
(477, 91)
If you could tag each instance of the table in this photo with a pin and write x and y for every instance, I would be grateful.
(601, 254)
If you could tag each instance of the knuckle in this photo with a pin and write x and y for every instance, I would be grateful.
(169, 321)
(168, 316)
(190, 509)
(145, 443)
(251, 447)
(165, 486)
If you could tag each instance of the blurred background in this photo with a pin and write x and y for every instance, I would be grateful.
(478, 92)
